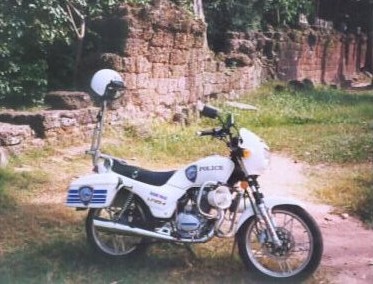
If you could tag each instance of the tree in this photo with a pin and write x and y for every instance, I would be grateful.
(26, 29)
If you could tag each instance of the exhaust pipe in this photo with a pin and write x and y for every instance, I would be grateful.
(120, 228)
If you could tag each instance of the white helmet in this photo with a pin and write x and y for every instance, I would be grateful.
(102, 78)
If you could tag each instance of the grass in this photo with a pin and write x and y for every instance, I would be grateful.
(42, 241)
(350, 188)
(318, 126)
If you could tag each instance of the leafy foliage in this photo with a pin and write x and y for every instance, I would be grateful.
(244, 15)
(26, 30)
(35, 35)
(286, 11)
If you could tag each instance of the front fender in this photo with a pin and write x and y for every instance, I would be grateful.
(100, 190)
(270, 202)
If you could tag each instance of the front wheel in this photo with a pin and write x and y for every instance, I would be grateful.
(299, 254)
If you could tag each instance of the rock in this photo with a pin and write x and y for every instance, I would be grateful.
(11, 135)
(308, 84)
(68, 100)
(296, 85)
(328, 218)
(344, 216)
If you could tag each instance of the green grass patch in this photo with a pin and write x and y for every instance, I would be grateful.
(6, 201)
(350, 188)
(166, 145)
(13, 184)
(318, 126)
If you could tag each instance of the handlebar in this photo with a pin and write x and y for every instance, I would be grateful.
(215, 132)
(227, 123)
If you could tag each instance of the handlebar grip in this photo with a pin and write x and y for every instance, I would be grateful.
(215, 132)
(206, 132)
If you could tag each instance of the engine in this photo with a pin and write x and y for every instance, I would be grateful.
(189, 222)
(194, 219)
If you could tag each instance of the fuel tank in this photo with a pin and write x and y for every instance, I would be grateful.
(212, 168)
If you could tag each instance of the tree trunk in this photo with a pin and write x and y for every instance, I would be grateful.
(80, 33)
(198, 9)
(369, 55)
(199, 14)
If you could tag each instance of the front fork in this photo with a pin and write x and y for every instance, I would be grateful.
(263, 212)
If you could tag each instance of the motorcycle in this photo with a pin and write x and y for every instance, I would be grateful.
(130, 207)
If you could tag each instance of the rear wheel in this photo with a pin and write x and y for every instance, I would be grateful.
(113, 244)
(298, 256)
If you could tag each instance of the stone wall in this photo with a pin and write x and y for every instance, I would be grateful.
(323, 57)
(166, 64)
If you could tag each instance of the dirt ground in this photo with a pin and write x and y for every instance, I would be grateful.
(348, 246)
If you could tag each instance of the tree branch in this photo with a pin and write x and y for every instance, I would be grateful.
(80, 32)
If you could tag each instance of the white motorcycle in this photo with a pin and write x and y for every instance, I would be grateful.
(131, 207)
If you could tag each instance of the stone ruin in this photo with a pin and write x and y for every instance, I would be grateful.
(162, 54)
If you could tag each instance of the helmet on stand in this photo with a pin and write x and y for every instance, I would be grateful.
(107, 84)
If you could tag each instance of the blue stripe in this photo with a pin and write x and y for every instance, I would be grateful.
(98, 191)
(93, 201)
(99, 196)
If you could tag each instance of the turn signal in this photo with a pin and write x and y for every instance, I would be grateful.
(246, 153)
(244, 184)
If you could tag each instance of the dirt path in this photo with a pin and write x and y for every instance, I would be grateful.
(348, 246)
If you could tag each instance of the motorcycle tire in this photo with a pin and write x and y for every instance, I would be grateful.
(298, 256)
(115, 245)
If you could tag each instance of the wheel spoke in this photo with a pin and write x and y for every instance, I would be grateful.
(285, 266)
(259, 254)
(110, 243)
(290, 221)
(122, 243)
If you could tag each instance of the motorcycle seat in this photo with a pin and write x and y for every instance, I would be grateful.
(141, 175)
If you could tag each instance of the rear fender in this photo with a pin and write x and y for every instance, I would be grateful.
(270, 202)
(93, 191)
